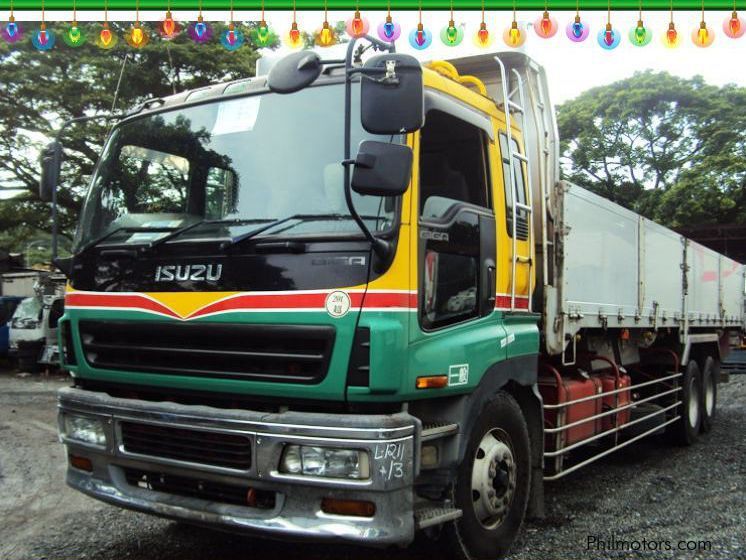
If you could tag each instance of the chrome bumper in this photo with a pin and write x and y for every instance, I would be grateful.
(389, 439)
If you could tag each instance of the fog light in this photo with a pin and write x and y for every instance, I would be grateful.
(325, 461)
(85, 429)
(357, 508)
(82, 463)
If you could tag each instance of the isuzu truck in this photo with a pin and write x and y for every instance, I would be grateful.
(350, 300)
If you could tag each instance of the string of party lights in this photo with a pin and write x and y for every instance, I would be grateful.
(260, 33)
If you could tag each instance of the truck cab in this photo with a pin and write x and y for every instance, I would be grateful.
(271, 331)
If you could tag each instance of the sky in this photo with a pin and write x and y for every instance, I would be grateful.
(571, 67)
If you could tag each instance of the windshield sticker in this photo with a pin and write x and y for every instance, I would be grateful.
(145, 236)
(238, 115)
(338, 304)
(458, 374)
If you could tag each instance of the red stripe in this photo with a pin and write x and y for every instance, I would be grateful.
(390, 299)
(76, 299)
(273, 301)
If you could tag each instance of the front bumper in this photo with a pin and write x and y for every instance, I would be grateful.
(391, 441)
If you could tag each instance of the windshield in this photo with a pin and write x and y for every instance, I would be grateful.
(251, 159)
(27, 314)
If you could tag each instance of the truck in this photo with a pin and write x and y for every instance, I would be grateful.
(32, 333)
(270, 334)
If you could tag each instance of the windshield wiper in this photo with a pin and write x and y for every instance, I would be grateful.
(94, 243)
(301, 217)
(177, 232)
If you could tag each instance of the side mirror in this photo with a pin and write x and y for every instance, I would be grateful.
(392, 98)
(382, 169)
(51, 160)
(294, 72)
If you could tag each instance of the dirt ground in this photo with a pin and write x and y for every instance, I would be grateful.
(650, 494)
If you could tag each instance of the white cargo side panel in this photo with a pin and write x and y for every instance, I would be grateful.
(732, 279)
(704, 284)
(600, 259)
(662, 278)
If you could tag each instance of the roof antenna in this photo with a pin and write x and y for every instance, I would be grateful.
(119, 82)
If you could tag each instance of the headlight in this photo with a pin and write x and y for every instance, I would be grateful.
(85, 429)
(325, 461)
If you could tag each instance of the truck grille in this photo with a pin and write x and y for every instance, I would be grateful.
(241, 495)
(232, 451)
(280, 353)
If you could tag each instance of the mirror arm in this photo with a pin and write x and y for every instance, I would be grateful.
(381, 247)
(57, 137)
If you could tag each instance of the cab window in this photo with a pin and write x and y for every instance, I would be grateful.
(516, 191)
(454, 172)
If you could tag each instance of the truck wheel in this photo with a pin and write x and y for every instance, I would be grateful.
(709, 393)
(492, 487)
(686, 429)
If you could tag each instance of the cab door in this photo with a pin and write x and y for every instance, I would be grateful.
(456, 330)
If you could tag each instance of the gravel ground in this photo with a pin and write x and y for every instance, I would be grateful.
(648, 492)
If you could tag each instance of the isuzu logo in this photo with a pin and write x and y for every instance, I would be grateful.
(184, 272)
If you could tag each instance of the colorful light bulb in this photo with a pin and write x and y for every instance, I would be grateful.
(703, 36)
(389, 30)
(483, 38)
(357, 26)
(74, 36)
(137, 37)
(639, 35)
(261, 35)
(12, 31)
(232, 39)
(546, 26)
(294, 39)
(671, 37)
(609, 38)
(452, 35)
(106, 39)
(43, 39)
(734, 26)
(200, 31)
(325, 37)
(420, 38)
(577, 31)
(168, 28)
(513, 36)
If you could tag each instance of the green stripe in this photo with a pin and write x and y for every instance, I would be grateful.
(396, 5)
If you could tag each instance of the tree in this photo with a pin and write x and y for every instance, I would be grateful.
(43, 89)
(667, 147)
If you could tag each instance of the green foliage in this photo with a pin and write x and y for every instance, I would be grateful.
(40, 90)
(670, 148)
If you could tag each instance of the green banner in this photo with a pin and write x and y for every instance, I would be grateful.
(396, 5)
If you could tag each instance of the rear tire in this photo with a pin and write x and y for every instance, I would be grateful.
(708, 404)
(493, 483)
(685, 431)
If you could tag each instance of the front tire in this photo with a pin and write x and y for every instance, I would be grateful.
(684, 432)
(708, 399)
(493, 483)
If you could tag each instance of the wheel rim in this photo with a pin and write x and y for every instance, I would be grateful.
(693, 402)
(709, 394)
(493, 479)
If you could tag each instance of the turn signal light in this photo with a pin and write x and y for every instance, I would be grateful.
(432, 382)
(355, 508)
(82, 463)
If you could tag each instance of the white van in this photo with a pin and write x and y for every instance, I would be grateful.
(33, 332)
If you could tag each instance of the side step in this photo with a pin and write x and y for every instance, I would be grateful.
(430, 515)
(435, 430)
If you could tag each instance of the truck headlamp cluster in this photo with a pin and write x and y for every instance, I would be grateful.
(85, 429)
(325, 461)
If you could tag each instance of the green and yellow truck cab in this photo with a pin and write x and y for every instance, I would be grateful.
(301, 305)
